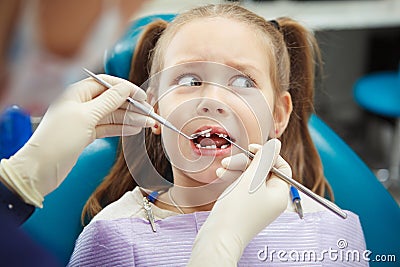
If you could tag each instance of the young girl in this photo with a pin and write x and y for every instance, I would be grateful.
(218, 67)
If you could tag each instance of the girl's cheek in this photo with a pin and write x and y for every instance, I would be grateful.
(253, 118)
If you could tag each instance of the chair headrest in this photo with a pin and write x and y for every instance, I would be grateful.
(117, 61)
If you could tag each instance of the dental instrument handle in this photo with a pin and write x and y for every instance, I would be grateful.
(139, 105)
(296, 200)
(329, 205)
(308, 192)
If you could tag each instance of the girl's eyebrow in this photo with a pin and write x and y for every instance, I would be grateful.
(243, 67)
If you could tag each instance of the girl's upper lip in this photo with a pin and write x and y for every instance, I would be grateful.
(214, 130)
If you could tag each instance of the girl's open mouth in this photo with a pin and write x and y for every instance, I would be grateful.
(211, 144)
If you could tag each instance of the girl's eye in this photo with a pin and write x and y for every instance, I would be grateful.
(243, 82)
(189, 80)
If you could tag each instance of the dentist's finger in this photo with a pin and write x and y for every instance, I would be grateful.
(137, 93)
(283, 166)
(110, 130)
(129, 106)
(267, 157)
(276, 192)
(127, 118)
(254, 148)
(114, 97)
(109, 101)
(228, 175)
(89, 89)
(238, 162)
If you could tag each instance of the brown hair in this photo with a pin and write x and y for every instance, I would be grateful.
(293, 52)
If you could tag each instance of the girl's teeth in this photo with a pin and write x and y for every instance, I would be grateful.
(206, 147)
(208, 135)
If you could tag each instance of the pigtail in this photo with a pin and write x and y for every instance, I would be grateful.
(120, 180)
(140, 72)
(298, 146)
(140, 65)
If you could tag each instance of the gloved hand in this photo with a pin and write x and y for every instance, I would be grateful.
(86, 111)
(238, 215)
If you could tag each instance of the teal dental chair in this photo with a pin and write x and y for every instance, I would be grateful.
(355, 187)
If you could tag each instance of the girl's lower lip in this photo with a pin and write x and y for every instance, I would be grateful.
(210, 152)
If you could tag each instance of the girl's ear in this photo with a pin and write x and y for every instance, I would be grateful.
(156, 129)
(283, 109)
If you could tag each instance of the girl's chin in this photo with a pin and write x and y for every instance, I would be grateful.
(209, 180)
(205, 180)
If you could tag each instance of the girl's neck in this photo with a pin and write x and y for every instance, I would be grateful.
(175, 199)
(189, 195)
(188, 199)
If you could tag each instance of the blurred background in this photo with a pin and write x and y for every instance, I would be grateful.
(357, 38)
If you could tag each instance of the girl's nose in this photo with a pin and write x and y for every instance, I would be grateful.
(211, 107)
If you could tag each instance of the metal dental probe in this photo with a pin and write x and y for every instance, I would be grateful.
(146, 110)
(329, 205)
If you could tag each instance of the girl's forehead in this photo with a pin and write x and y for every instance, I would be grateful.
(217, 39)
(223, 26)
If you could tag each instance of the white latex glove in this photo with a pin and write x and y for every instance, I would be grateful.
(238, 216)
(86, 111)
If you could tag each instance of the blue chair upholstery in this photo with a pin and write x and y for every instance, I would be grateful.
(355, 187)
(118, 59)
(15, 130)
